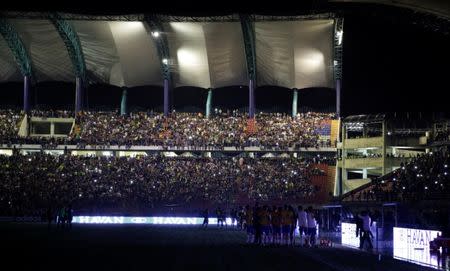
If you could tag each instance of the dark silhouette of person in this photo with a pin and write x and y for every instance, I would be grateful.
(205, 218)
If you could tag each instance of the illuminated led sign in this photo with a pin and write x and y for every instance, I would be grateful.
(414, 245)
(156, 220)
(348, 235)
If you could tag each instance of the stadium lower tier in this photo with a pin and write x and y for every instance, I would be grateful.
(34, 183)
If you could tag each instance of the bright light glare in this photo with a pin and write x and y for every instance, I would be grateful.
(339, 35)
(187, 57)
(155, 34)
(312, 61)
(165, 61)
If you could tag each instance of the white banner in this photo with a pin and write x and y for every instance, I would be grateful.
(155, 220)
(414, 245)
(348, 235)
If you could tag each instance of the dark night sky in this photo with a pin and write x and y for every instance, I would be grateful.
(390, 64)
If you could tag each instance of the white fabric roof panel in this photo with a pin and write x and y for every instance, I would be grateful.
(51, 61)
(189, 59)
(9, 70)
(140, 63)
(313, 54)
(99, 50)
(294, 54)
(226, 54)
(274, 54)
(207, 54)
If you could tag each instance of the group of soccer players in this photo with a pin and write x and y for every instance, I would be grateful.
(276, 225)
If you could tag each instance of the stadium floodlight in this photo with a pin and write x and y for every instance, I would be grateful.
(339, 35)
(155, 34)
(165, 61)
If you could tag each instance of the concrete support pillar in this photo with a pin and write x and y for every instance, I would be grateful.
(209, 103)
(78, 95)
(26, 94)
(383, 149)
(52, 128)
(338, 98)
(294, 103)
(251, 99)
(166, 97)
(364, 173)
(123, 103)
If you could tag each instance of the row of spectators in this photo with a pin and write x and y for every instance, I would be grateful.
(443, 135)
(360, 155)
(186, 129)
(50, 113)
(9, 123)
(32, 182)
(272, 131)
(426, 176)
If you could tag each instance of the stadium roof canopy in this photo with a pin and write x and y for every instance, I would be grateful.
(291, 52)
(207, 51)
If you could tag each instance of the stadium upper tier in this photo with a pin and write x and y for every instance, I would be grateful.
(97, 184)
(233, 129)
(291, 54)
(425, 177)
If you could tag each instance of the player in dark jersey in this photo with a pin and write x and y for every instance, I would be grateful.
(285, 225)
(249, 223)
(276, 223)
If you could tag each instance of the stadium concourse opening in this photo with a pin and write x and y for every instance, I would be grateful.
(228, 142)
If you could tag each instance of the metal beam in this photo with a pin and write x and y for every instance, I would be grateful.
(338, 44)
(304, 17)
(18, 49)
(166, 18)
(71, 16)
(161, 43)
(248, 32)
(69, 36)
(162, 46)
(200, 19)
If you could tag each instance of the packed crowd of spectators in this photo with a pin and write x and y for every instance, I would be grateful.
(426, 176)
(33, 182)
(182, 130)
(187, 129)
(442, 136)
(9, 124)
